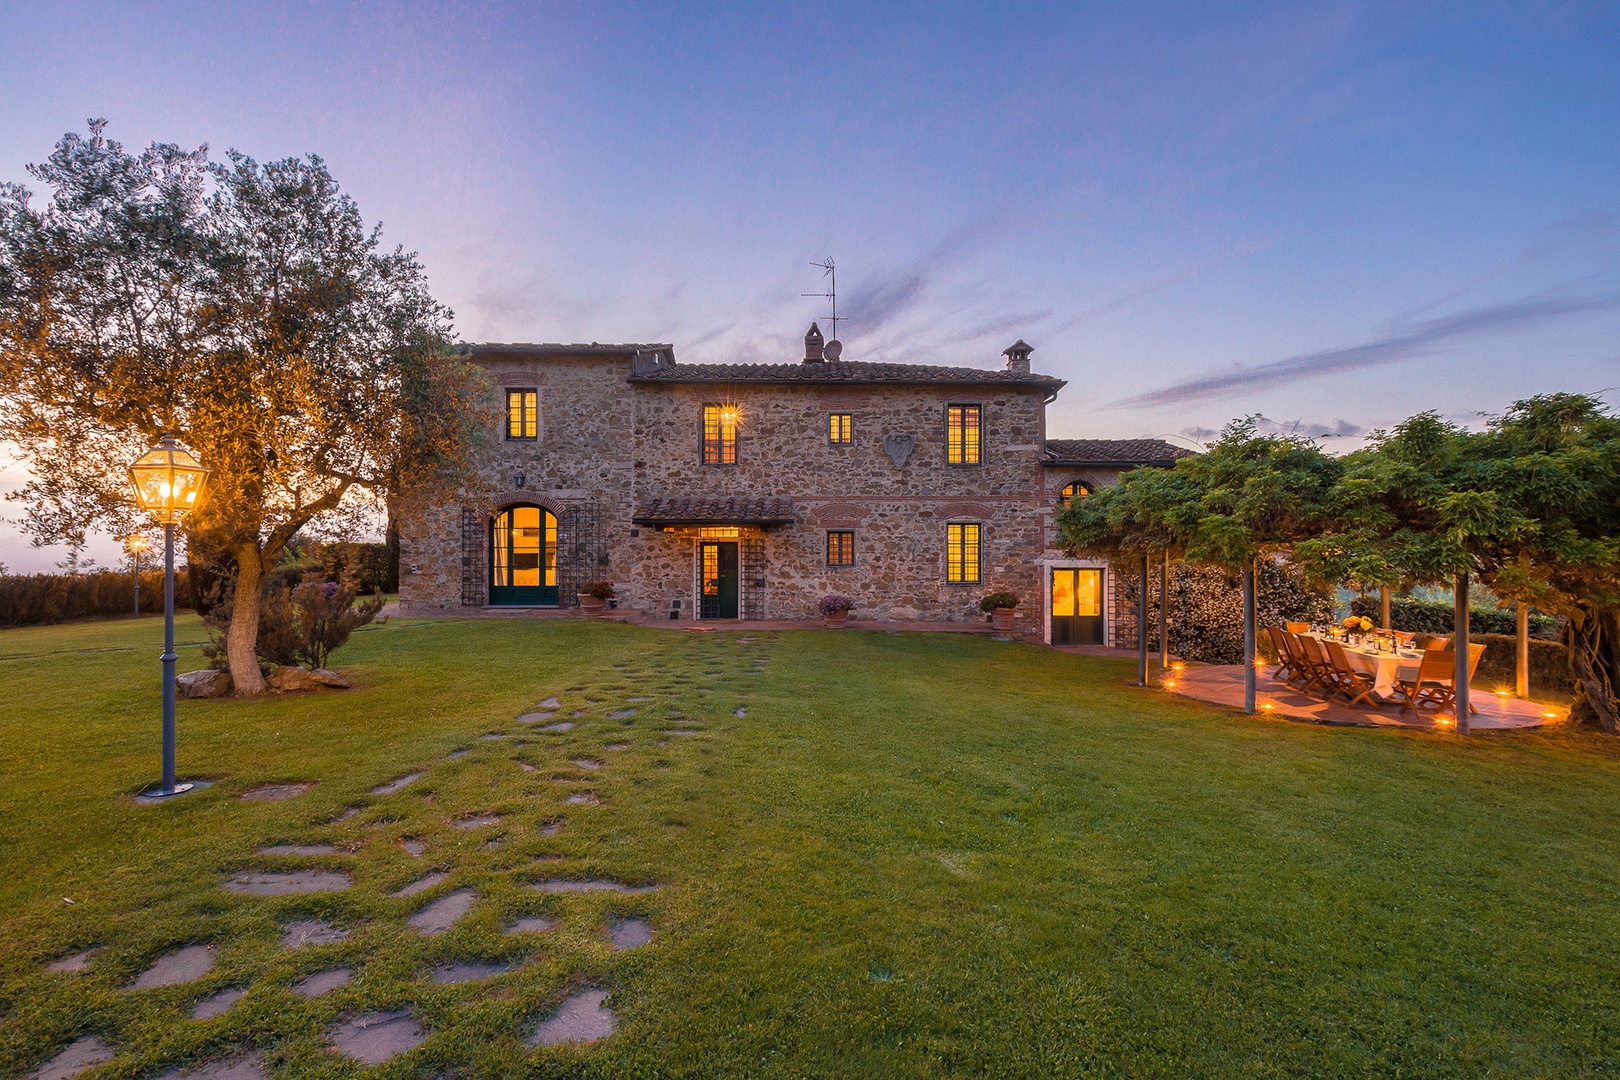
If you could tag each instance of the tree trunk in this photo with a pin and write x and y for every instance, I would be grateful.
(1593, 638)
(242, 636)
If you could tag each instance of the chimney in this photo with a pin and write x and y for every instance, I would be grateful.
(1017, 355)
(813, 342)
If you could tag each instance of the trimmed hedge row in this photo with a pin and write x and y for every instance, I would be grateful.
(1549, 664)
(1435, 617)
(33, 599)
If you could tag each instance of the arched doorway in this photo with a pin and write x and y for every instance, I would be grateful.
(523, 556)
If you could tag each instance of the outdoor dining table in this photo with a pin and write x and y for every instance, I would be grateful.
(1386, 668)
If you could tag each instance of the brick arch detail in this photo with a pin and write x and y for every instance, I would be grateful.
(840, 515)
(521, 496)
(966, 511)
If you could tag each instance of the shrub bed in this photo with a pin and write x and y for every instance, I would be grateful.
(1436, 617)
(34, 599)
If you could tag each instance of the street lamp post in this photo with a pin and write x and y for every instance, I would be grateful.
(168, 482)
(137, 544)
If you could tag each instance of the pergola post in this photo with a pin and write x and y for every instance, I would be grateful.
(1248, 637)
(1383, 608)
(1521, 629)
(1142, 627)
(1459, 642)
(1164, 607)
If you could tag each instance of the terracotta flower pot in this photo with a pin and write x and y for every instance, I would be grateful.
(1002, 617)
(835, 618)
(591, 606)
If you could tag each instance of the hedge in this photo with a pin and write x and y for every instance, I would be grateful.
(1549, 664)
(1437, 617)
(32, 599)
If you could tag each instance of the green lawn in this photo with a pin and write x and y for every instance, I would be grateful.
(913, 856)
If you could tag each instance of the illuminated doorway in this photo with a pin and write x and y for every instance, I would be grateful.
(1077, 615)
(523, 557)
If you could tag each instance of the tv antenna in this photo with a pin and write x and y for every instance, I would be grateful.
(829, 271)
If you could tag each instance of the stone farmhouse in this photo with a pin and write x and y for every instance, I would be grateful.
(750, 491)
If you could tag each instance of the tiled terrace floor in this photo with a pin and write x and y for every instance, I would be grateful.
(1223, 685)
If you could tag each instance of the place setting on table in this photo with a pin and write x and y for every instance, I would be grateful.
(1379, 653)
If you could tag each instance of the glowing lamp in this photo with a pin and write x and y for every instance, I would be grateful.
(168, 481)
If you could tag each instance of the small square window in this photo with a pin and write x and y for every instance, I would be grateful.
(840, 549)
(720, 434)
(963, 430)
(962, 554)
(522, 414)
(840, 428)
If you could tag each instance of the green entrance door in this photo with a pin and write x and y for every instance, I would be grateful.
(523, 557)
(1077, 607)
(719, 580)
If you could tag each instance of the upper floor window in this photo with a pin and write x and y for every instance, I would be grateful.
(522, 414)
(1078, 489)
(962, 434)
(840, 428)
(962, 554)
(720, 434)
(840, 548)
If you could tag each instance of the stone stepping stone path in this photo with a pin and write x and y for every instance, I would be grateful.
(535, 717)
(217, 1005)
(587, 763)
(577, 713)
(617, 746)
(348, 813)
(71, 965)
(78, 1056)
(561, 725)
(246, 1068)
(684, 731)
(525, 766)
(552, 828)
(443, 913)
(478, 821)
(550, 703)
(374, 1038)
(638, 699)
(531, 924)
(275, 792)
(622, 714)
(414, 848)
(304, 881)
(322, 982)
(299, 849)
(421, 884)
(740, 713)
(568, 885)
(492, 736)
(580, 1019)
(450, 974)
(311, 932)
(396, 785)
(629, 933)
(183, 966)
(583, 798)
(456, 755)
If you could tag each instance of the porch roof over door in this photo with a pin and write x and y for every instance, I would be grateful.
(762, 510)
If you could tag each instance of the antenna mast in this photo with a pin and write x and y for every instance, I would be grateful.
(829, 271)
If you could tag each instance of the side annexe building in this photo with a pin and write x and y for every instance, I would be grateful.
(750, 491)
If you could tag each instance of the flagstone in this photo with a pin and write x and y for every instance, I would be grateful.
(568, 885)
(78, 1056)
(250, 1067)
(275, 792)
(298, 849)
(549, 703)
(443, 913)
(477, 821)
(414, 848)
(629, 933)
(531, 924)
(622, 714)
(583, 798)
(216, 1004)
(396, 785)
(579, 1019)
(322, 982)
(421, 884)
(303, 881)
(535, 717)
(449, 974)
(182, 966)
(67, 965)
(296, 935)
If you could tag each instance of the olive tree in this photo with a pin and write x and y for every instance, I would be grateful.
(245, 309)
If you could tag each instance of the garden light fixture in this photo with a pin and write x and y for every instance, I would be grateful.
(168, 482)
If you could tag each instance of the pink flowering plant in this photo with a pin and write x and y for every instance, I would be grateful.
(833, 603)
(602, 590)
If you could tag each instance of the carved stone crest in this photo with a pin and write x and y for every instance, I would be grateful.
(899, 448)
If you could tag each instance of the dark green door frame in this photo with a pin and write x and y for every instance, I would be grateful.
(523, 557)
(717, 571)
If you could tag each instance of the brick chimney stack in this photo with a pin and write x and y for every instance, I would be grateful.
(1017, 355)
(813, 345)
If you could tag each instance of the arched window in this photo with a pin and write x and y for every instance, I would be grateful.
(523, 556)
(1077, 489)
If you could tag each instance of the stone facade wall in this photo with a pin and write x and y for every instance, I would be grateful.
(612, 444)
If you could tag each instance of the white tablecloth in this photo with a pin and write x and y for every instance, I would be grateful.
(1384, 667)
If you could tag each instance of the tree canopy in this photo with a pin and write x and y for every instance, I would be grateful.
(247, 310)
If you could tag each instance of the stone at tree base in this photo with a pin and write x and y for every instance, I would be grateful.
(285, 679)
(206, 683)
(186, 965)
(78, 1056)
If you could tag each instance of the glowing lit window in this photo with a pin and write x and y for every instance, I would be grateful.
(962, 554)
(1076, 490)
(840, 428)
(962, 434)
(522, 414)
(720, 434)
(840, 549)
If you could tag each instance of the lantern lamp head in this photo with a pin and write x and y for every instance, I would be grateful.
(168, 481)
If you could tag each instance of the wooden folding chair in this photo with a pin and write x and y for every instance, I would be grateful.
(1286, 660)
(1319, 669)
(1432, 690)
(1474, 653)
(1354, 684)
(1297, 627)
(1403, 637)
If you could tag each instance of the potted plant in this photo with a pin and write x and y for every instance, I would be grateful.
(1000, 605)
(593, 597)
(835, 609)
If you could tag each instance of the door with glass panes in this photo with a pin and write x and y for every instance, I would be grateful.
(523, 557)
(1077, 617)
(718, 567)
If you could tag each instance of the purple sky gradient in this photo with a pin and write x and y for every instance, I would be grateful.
(1329, 214)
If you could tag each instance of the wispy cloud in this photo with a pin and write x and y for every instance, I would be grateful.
(1424, 337)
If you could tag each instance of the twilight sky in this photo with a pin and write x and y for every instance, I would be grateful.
(1330, 214)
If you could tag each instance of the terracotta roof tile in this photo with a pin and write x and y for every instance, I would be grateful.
(845, 371)
(719, 510)
(1113, 452)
